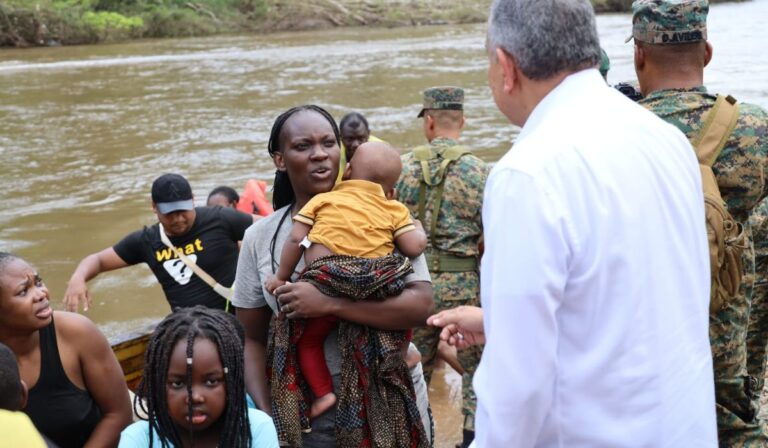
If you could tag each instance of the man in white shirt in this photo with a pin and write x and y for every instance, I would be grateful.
(595, 279)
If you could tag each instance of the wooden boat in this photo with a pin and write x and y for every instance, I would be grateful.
(129, 350)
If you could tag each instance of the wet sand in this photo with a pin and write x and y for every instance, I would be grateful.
(445, 399)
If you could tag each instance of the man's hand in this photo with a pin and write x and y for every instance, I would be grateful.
(462, 326)
(302, 300)
(77, 292)
(88, 268)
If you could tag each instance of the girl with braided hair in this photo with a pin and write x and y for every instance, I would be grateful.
(193, 389)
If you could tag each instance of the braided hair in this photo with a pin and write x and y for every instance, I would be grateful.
(282, 190)
(227, 334)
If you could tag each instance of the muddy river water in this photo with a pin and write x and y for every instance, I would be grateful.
(84, 130)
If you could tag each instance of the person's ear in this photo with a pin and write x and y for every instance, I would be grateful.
(154, 208)
(391, 194)
(463, 120)
(509, 70)
(347, 172)
(639, 58)
(279, 161)
(707, 53)
(24, 395)
(430, 122)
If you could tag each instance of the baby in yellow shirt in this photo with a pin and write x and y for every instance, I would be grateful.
(356, 220)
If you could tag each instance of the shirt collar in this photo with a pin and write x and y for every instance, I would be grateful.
(358, 184)
(439, 144)
(568, 90)
(664, 92)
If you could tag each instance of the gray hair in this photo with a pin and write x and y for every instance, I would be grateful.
(545, 37)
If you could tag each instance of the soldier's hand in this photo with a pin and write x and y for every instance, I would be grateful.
(462, 326)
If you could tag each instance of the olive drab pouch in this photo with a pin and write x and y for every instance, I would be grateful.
(727, 240)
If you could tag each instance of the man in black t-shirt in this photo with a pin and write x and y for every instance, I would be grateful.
(207, 236)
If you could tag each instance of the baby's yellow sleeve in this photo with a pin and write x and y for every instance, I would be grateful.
(307, 213)
(402, 220)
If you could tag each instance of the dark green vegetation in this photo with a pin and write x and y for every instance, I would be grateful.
(51, 22)
(26, 23)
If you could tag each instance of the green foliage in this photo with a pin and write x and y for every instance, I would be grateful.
(163, 22)
(109, 25)
(43, 22)
(39, 22)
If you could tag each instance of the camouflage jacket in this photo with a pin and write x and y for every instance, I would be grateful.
(741, 167)
(759, 225)
(459, 225)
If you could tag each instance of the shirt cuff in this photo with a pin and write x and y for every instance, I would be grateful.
(304, 219)
(405, 229)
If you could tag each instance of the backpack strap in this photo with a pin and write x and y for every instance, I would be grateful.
(424, 154)
(719, 124)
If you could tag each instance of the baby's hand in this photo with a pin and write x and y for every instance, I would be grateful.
(273, 283)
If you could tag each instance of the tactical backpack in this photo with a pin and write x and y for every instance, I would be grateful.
(727, 241)
(437, 260)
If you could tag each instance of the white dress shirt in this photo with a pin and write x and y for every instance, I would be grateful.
(595, 281)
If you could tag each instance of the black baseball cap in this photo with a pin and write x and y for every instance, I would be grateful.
(171, 193)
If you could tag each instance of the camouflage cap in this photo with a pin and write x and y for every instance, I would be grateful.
(663, 22)
(445, 98)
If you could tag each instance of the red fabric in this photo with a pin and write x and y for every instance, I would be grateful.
(312, 357)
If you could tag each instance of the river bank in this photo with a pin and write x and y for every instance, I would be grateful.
(27, 23)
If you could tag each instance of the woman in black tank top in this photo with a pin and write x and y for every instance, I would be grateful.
(77, 395)
(62, 411)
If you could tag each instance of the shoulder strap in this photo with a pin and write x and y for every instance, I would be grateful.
(51, 368)
(717, 128)
(423, 154)
(221, 290)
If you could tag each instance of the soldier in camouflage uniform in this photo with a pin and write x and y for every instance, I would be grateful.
(448, 201)
(757, 333)
(671, 51)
